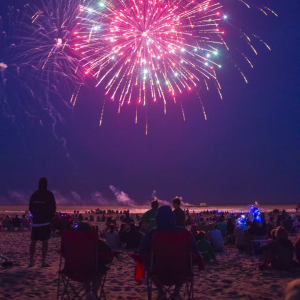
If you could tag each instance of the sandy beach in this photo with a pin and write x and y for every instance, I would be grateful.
(235, 277)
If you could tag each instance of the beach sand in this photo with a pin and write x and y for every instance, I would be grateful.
(235, 277)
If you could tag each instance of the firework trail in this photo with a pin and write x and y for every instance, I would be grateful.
(26, 78)
(143, 50)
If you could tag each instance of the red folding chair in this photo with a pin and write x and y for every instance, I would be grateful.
(80, 271)
(171, 263)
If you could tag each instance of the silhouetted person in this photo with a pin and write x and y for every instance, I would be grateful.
(149, 216)
(179, 213)
(127, 220)
(42, 206)
(288, 224)
(112, 237)
(230, 227)
(16, 222)
(123, 234)
(134, 237)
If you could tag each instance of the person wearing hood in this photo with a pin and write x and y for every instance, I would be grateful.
(165, 220)
(42, 206)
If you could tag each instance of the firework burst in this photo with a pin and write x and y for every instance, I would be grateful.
(151, 49)
(43, 44)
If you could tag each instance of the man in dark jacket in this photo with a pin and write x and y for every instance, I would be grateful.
(42, 206)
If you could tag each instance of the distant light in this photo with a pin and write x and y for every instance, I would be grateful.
(216, 53)
(101, 4)
(220, 66)
(225, 17)
(182, 49)
(206, 64)
(207, 55)
(144, 33)
(176, 74)
(90, 9)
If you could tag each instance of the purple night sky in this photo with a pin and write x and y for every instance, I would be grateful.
(247, 150)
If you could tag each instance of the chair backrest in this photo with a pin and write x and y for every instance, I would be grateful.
(16, 222)
(6, 223)
(80, 251)
(171, 256)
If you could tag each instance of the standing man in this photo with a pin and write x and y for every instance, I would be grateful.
(149, 216)
(42, 206)
(179, 213)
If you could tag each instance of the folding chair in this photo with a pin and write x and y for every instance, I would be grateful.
(171, 262)
(80, 252)
(26, 224)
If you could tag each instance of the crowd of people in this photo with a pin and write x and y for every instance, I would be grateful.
(211, 231)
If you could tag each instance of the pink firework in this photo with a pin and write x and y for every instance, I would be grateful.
(147, 49)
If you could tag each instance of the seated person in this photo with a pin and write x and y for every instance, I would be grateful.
(127, 220)
(240, 241)
(103, 218)
(165, 220)
(110, 220)
(24, 219)
(202, 225)
(279, 252)
(7, 222)
(123, 234)
(288, 224)
(205, 248)
(216, 239)
(258, 231)
(194, 232)
(98, 218)
(210, 225)
(222, 226)
(134, 237)
(271, 222)
(112, 237)
(16, 222)
(230, 227)
(25, 222)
